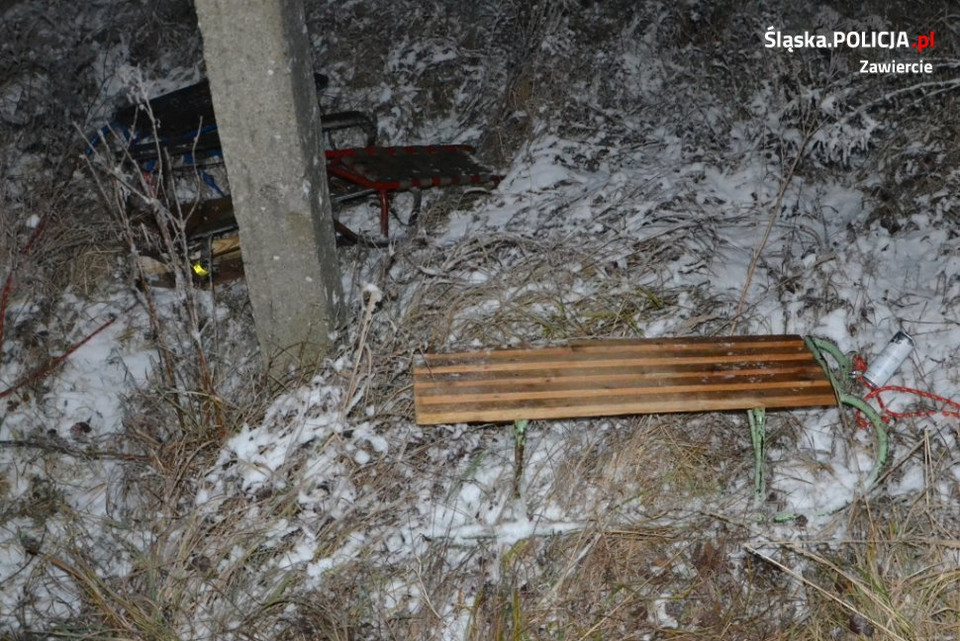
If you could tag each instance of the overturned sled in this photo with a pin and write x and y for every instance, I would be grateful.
(180, 127)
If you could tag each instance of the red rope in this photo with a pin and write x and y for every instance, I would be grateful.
(888, 415)
(43, 371)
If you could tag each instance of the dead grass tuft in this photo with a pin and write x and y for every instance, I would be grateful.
(629, 582)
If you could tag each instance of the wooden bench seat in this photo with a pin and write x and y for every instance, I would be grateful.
(617, 377)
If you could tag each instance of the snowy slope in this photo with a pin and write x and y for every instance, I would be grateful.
(650, 157)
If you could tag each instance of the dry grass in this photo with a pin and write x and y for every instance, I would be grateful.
(514, 289)
(895, 580)
(73, 250)
(624, 583)
(702, 581)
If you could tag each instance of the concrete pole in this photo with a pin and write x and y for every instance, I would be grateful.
(261, 78)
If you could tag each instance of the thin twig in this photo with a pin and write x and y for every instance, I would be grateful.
(45, 370)
(73, 451)
(8, 281)
(799, 577)
(374, 296)
(774, 215)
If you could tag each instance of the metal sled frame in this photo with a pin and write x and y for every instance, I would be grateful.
(182, 126)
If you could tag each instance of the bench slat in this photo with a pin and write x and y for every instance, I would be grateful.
(660, 348)
(607, 378)
(591, 361)
(599, 376)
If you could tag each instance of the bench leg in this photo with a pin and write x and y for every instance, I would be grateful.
(758, 427)
(519, 444)
(384, 213)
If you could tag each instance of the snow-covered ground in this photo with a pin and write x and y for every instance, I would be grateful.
(665, 175)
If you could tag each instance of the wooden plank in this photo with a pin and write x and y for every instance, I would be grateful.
(607, 378)
(430, 381)
(658, 347)
(592, 361)
(219, 248)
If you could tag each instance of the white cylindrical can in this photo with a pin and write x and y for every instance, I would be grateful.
(889, 360)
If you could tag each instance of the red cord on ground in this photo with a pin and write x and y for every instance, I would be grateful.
(888, 415)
